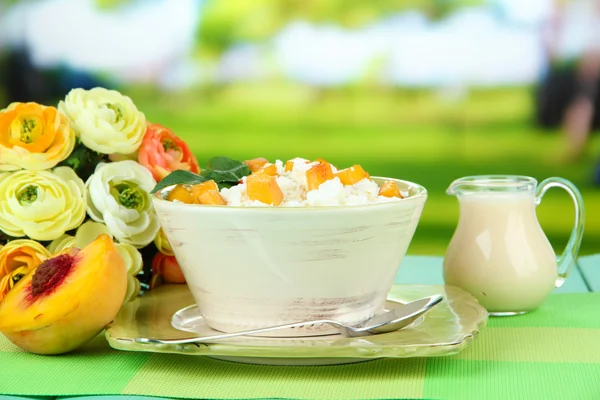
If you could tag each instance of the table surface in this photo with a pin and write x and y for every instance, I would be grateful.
(585, 277)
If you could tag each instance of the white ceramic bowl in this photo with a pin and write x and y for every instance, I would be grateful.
(251, 267)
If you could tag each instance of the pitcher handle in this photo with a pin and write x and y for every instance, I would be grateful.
(569, 255)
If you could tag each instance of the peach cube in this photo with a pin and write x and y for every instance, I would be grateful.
(317, 175)
(182, 194)
(289, 164)
(199, 189)
(270, 169)
(256, 163)
(390, 189)
(212, 197)
(352, 175)
(264, 188)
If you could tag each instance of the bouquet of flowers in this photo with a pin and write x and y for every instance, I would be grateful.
(86, 167)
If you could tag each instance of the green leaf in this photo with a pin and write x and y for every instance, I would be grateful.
(227, 185)
(178, 177)
(226, 173)
(225, 170)
(4, 238)
(83, 160)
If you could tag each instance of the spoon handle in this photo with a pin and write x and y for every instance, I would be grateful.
(200, 339)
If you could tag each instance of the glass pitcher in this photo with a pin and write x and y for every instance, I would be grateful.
(499, 252)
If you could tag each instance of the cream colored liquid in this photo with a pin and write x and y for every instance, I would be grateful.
(500, 254)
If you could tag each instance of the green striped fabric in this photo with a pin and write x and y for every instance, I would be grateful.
(552, 353)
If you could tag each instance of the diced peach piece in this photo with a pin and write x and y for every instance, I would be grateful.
(352, 175)
(211, 197)
(390, 189)
(317, 175)
(264, 188)
(289, 164)
(256, 163)
(270, 169)
(199, 189)
(182, 194)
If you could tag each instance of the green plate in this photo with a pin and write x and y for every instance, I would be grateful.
(446, 329)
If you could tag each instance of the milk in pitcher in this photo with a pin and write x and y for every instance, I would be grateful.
(499, 252)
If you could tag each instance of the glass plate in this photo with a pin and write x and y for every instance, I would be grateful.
(446, 329)
(190, 319)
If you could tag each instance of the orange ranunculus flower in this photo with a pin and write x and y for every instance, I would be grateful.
(167, 269)
(33, 137)
(162, 152)
(18, 258)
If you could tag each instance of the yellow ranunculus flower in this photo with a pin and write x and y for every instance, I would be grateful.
(60, 244)
(42, 205)
(33, 137)
(162, 243)
(105, 120)
(89, 231)
(17, 258)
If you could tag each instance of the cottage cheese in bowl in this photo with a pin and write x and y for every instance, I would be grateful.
(315, 248)
(297, 186)
(296, 194)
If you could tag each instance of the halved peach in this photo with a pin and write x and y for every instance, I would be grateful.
(67, 300)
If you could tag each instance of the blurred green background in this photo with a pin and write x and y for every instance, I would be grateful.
(408, 135)
(429, 134)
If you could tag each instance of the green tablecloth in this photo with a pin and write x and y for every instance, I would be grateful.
(551, 353)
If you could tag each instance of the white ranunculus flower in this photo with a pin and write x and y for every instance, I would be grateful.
(105, 120)
(118, 196)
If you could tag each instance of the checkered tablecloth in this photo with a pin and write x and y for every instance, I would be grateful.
(552, 353)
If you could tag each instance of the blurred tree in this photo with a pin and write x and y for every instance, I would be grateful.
(106, 4)
(225, 22)
(228, 21)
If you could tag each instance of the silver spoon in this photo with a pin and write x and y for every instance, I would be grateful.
(389, 321)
